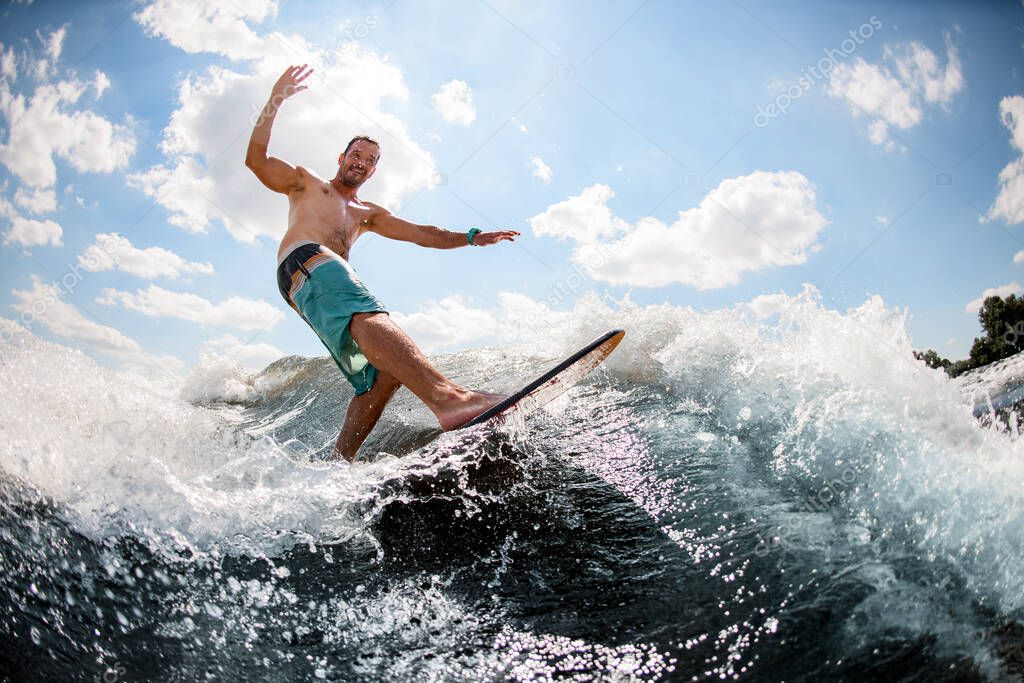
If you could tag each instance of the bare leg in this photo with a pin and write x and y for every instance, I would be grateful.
(363, 413)
(390, 349)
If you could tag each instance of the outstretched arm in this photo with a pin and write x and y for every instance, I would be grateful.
(278, 175)
(389, 225)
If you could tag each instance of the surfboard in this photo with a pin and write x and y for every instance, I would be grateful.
(555, 381)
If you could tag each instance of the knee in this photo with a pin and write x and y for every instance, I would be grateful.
(388, 384)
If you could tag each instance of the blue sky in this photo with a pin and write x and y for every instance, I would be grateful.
(626, 133)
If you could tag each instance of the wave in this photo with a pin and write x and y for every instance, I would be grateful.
(813, 431)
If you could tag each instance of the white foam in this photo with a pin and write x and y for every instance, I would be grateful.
(222, 379)
(837, 402)
(219, 379)
(122, 458)
(822, 395)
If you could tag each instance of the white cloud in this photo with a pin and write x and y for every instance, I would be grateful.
(919, 68)
(1001, 291)
(252, 356)
(541, 170)
(346, 95)
(446, 324)
(767, 305)
(521, 317)
(196, 26)
(41, 200)
(183, 190)
(454, 101)
(896, 96)
(1009, 203)
(746, 224)
(64, 320)
(878, 134)
(8, 65)
(1018, 258)
(583, 218)
(55, 42)
(100, 83)
(874, 90)
(46, 125)
(43, 305)
(455, 323)
(157, 302)
(520, 125)
(28, 232)
(111, 251)
(883, 220)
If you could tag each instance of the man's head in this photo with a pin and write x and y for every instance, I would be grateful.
(359, 160)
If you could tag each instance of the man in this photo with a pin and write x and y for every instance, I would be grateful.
(324, 219)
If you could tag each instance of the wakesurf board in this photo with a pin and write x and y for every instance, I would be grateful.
(555, 381)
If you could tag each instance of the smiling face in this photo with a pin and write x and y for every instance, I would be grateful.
(358, 164)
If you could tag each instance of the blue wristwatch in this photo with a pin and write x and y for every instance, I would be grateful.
(471, 234)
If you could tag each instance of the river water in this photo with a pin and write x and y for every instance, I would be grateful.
(735, 494)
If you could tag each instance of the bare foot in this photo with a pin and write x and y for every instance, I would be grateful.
(458, 412)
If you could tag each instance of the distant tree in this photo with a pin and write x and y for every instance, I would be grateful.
(1002, 321)
(959, 367)
(998, 314)
(985, 350)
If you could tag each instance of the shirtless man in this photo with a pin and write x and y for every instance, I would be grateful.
(325, 218)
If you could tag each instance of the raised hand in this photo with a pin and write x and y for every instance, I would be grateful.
(288, 84)
(484, 239)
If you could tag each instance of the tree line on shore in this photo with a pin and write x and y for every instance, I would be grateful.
(1002, 324)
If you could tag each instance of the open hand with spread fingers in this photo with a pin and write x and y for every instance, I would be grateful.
(483, 239)
(288, 84)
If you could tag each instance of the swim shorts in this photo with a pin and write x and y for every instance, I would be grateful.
(324, 289)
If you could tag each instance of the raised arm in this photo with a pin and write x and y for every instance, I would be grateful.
(386, 224)
(277, 174)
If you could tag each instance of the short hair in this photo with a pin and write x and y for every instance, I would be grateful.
(363, 138)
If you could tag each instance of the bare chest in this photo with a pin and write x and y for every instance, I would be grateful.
(320, 213)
